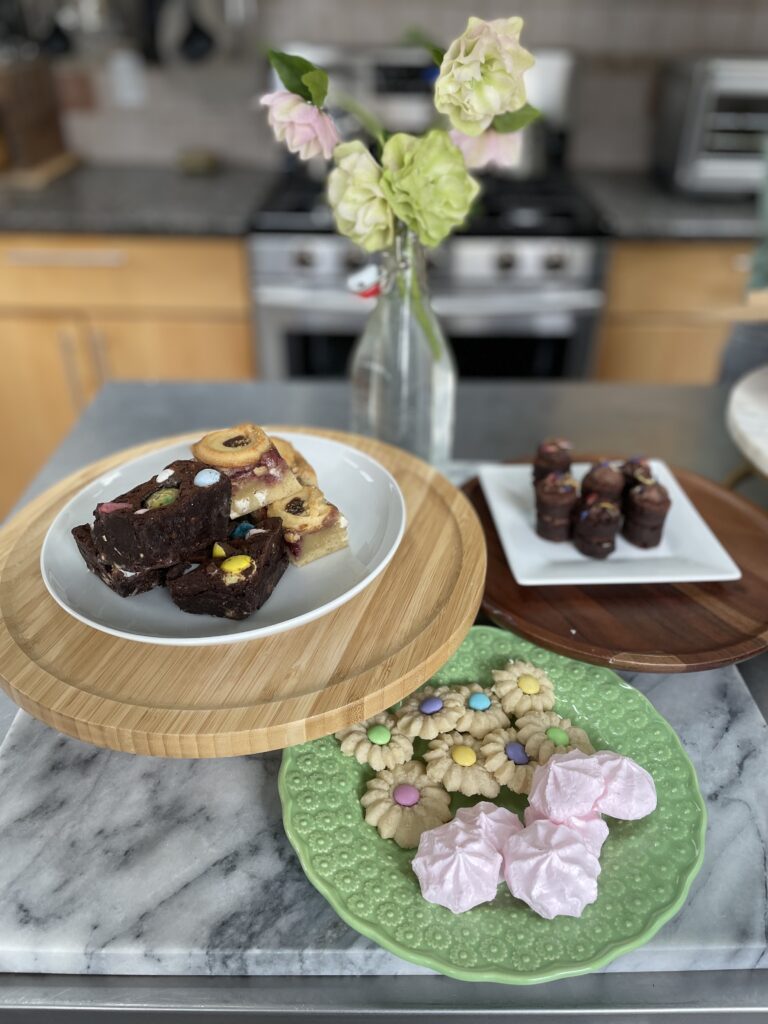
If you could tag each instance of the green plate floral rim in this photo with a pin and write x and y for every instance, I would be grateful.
(647, 866)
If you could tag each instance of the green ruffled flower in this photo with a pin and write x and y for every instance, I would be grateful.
(481, 75)
(357, 198)
(426, 182)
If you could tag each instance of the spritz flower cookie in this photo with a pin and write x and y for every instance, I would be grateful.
(430, 711)
(482, 711)
(507, 760)
(522, 687)
(455, 761)
(545, 733)
(376, 742)
(404, 802)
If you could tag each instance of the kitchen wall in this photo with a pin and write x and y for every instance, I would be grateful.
(620, 44)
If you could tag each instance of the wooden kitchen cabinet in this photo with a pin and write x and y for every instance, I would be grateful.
(77, 311)
(47, 378)
(670, 308)
(172, 349)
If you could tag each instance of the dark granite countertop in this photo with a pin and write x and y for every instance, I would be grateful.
(138, 200)
(635, 206)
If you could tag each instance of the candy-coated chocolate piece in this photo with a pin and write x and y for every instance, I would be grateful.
(379, 734)
(162, 498)
(529, 684)
(430, 706)
(406, 795)
(236, 564)
(241, 530)
(111, 506)
(218, 551)
(463, 756)
(207, 478)
(558, 736)
(516, 752)
(479, 701)
(164, 475)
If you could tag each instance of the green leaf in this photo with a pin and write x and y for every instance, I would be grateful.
(291, 69)
(417, 37)
(317, 83)
(516, 120)
(369, 121)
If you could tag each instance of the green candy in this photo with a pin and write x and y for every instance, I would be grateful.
(558, 736)
(380, 735)
(162, 498)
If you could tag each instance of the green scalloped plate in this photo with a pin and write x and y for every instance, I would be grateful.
(647, 865)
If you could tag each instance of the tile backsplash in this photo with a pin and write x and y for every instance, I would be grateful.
(620, 45)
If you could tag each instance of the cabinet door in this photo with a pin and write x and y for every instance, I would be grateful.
(173, 349)
(47, 378)
(660, 352)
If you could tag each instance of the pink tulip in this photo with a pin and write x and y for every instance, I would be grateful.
(499, 148)
(304, 128)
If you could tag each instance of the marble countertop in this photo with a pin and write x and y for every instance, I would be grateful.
(635, 206)
(181, 869)
(138, 200)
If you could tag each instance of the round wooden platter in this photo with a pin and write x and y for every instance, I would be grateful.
(661, 627)
(253, 696)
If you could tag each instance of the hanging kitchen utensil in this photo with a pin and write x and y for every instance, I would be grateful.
(198, 43)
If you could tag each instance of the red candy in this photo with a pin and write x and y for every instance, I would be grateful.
(111, 506)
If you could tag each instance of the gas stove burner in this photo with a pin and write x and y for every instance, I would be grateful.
(552, 206)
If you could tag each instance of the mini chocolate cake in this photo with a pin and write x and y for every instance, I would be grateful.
(604, 480)
(124, 582)
(645, 510)
(237, 578)
(595, 528)
(635, 470)
(556, 495)
(552, 456)
(160, 522)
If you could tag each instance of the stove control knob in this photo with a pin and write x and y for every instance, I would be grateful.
(554, 261)
(506, 261)
(304, 258)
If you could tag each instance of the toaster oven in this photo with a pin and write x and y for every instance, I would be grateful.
(711, 125)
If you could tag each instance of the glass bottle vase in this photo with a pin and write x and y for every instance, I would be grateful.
(402, 370)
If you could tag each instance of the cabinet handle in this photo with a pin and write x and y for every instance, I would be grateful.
(100, 356)
(66, 258)
(67, 350)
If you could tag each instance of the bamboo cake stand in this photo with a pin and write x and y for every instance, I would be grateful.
(253, 696)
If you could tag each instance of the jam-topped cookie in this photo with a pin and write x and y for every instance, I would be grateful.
(236, 578)
(482, 711)
(404, 802)
(522, 687)
(545, 733)
(457, 763)
(312, 526)
(376, 742)
(248, 457)
(507, 759)
(163, 520)
(304, 472)
(430, 711)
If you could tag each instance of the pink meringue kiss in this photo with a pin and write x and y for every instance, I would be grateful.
(550, 868)
(493, 824)
(567, 786)
(630, 792)
(591, 829)
(455, 868)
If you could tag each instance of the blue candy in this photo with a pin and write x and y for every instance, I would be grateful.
(241, 530)
(479, 701)
(207, 477)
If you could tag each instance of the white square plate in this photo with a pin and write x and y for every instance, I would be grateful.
(689, 552)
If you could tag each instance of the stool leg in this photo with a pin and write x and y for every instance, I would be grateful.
(738, 475)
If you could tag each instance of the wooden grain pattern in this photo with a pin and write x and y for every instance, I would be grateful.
(631, 348)
(259, 695)
(672, 627)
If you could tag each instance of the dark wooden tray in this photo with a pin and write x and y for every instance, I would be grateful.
(667, 627)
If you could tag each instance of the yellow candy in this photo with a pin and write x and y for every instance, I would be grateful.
(218, 551)
(529, 684)
(236, 564)
(463, 756)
